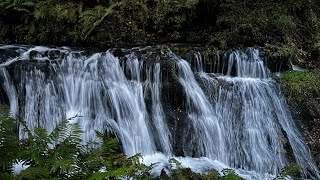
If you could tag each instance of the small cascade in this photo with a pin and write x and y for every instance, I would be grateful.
(253, 115)
(41, 103)
(10, 91)
(207, 135)
(97, 89)
(235, 63)
(253, 136)
(158, 116)
(217, 111)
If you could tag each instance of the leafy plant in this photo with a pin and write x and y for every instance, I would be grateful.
(93, 17)
(178, 172)
(230, 174)
(291, 170)
(56, 153)
(9, 144)
(61, 154)
(18, 5)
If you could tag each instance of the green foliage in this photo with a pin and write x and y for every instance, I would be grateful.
(284, 22)
(54, 154)
(212, 175)
(315, 51)
(298, 56)
(114, 22)
(171, 16)
(61, 154)
(9, 144)
(230, 175)
(17, 5)
(183, 174)
(34, 173)
(291, 170)
(6, 176)
(94, 17)
(300, 86)
(50, 10)
(285, 51)
(117, 165)
(259, 22)
(180, 173)
(74, 21)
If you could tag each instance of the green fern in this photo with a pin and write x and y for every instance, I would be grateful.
(57, 151)
(18, 5)
(61, 154)
(34, 173)
(52, 11)
(7, 176)
(9, 144)
(94, 17)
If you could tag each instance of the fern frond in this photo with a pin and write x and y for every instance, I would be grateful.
(92, 18)
(6, 176)
(63, 166)
(28, 3)
(34, 173)
(87, 13)
(9, 142)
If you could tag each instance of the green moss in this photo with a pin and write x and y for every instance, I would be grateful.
(291, 170)
(300, 86)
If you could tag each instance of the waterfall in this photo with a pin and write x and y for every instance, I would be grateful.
(10, 91)
(252, 113)
(157, 111)
(228, 113)
(207, 129)
(98, 90)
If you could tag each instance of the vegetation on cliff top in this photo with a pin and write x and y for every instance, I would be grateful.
(106, 23)
(300, 85)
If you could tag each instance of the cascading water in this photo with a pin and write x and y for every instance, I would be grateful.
(252, 113)
(10, 91)
(97, 89)
(208, 138)
(158, 116)
(233, 114)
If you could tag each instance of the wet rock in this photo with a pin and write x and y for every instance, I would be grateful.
(8, 53)
(54, 54)
(33, 53)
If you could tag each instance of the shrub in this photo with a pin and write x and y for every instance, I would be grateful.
(61, 155)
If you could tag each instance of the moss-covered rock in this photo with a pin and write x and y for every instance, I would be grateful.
(300, 85)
